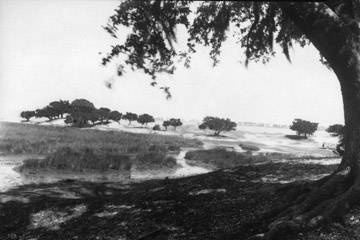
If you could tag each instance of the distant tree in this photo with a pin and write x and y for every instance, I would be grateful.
(336, 130)
(82, 105)
(27, 115)
(60, 107)
(303, 127)
(93, 116)
(175, 122)
(82, 111)
(115, 116)
(103, 114)
(79, 119)
(47, 112)
(130, 117)
(166, 124)
(156, 127)
(68, 119)
(145, 119)
(217, 124)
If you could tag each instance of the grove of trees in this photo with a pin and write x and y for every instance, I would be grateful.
(332, 27)
(218, 125)
(83, 113)
(303, 127)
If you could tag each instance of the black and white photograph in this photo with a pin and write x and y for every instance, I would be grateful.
(179, 120)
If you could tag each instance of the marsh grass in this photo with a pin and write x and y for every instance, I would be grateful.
(154, 161)
(66, 158)
(36, 139)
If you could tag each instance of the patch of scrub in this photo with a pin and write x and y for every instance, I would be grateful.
(52, 219)
(207, 191)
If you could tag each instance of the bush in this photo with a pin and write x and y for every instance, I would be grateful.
(156, 127)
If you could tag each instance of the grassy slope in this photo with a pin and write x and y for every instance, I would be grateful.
(26, 138)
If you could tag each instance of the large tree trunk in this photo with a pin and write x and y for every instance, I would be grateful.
(338, 41)
(348, 73)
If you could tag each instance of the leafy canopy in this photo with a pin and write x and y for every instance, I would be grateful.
(130, 116)
(151, 45)
(145, 119)
(336, 130)
(303, 127)
(27, 114)
(217, 124)
(115, 116)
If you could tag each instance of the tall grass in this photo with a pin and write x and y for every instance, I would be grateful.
(67, 159)
(27, 138)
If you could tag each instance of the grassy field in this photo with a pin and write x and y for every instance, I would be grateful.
(18, 138)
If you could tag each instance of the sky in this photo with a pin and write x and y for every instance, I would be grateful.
(50, 51)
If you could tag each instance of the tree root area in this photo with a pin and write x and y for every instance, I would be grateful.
(227, 204)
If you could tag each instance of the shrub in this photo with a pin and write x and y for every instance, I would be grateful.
(156, 127)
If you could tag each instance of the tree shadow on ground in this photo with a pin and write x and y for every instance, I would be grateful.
(226, 204)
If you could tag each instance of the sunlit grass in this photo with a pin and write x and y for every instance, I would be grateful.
(27, 138)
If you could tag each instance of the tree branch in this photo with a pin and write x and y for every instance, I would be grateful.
(319, 23)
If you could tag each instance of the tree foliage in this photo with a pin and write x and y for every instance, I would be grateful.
(150, 46)
(27, 115)
(303, 127)
(217, 124)
(115, 116)
(60, 107)
(82, 111)
(47, 112)
(82, 105)
(336, 130)
(156, 127)
(145, 119)
(166, 124)
(175, 122)
(130, 117)
(103, 114)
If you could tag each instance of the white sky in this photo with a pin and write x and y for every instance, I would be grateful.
(50, 50)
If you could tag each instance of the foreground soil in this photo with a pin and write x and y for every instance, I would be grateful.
(227, 204)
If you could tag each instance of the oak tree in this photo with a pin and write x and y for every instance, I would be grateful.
(332, 27)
